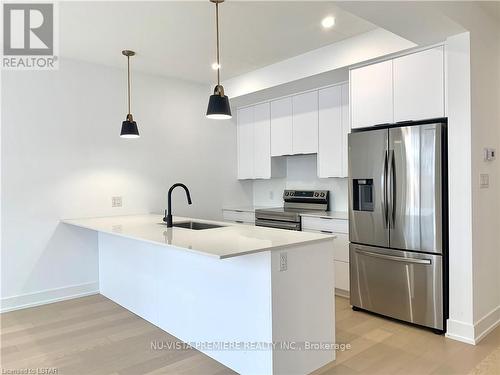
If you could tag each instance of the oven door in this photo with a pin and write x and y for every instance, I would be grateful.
(290, 225)
(399, 284)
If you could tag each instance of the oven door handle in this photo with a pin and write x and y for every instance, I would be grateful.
(270, 217)
(276, 224)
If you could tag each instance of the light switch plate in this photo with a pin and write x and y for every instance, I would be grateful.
(116, 201)
(283, 262)
(484, 180)
(490, 154)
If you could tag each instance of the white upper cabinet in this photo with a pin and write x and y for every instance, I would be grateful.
(346, 128)
(406, 88)
(262, 141)
(254, 144)
(333, 130)
(245, 131)
(419, 85)
(330, 132)
(371, 95)
(281, 127)
(305, 123)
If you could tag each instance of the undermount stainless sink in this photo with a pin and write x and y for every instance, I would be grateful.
(196, 225)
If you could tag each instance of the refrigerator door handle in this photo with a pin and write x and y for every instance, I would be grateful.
(391, 177)
(385, 208)
(394, 258)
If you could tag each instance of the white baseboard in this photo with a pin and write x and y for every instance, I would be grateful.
(486, 324)
(43, 297)
(460, 331)
(472, 334)
(342, 293)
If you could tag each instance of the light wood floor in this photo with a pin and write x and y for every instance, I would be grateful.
(93, 335)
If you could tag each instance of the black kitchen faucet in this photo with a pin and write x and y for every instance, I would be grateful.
(168, 212)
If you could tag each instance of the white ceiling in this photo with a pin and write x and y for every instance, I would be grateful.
(177, 39)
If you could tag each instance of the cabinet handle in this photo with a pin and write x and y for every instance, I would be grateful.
(239, 221)
(326, 231)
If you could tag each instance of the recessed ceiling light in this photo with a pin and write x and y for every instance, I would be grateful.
(328, 22)
(215, 66)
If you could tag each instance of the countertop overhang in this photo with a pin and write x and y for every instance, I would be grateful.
(230, 240)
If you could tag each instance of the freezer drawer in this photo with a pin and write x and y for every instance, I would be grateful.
(399, 284)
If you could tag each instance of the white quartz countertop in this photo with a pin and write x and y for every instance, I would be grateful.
(228, 241)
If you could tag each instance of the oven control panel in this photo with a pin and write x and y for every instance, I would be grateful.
(291, 195)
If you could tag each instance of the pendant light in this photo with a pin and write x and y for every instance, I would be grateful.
(218, 104)
(129, 126)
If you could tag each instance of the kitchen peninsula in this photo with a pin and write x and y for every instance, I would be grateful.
(252, 298)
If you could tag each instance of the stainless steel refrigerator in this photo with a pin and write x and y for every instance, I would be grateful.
(398, 222)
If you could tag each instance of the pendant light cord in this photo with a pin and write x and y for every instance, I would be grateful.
(128, 82)
(217, 29)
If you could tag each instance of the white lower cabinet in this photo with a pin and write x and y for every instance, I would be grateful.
(239, 216)
(339, 228)
(341, 277)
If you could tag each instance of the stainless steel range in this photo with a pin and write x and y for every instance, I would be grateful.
(295, 203)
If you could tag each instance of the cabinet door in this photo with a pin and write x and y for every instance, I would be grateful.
(419, 85)
(346, 128)
(330, 132)
(245, 130)
(341, 275)
(262, 141)
(371, 95)
(305, 123)
(281, 127)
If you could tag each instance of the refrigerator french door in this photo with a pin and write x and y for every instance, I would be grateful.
(397, 222)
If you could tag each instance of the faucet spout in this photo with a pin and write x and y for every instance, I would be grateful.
(168, 212)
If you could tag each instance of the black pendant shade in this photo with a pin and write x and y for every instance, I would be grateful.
(129, 128)
(218, 106)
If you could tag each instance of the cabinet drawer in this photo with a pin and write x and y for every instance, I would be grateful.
(341, 247)
(239, 216)
(325, 224)
(341, 275)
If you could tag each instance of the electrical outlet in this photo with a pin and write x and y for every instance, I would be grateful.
(116, 201)
(484, 181)
(283, 262)
(271, 195)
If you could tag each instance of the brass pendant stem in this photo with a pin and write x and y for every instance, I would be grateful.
(217, 30)
(128, 82)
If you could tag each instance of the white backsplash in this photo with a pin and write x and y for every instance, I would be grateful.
(301, 174)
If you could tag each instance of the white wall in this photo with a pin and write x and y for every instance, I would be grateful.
(485, 94)
(458, 109)
(62, 157)
(301, 174)
(484, 251)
